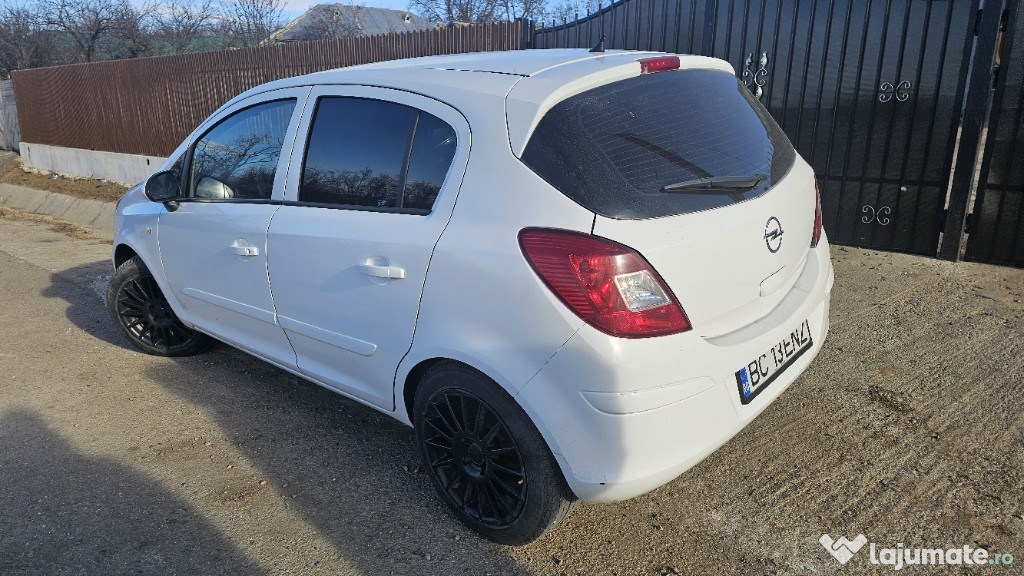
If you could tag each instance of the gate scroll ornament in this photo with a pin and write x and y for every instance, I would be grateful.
(886, 91)
(755, 81)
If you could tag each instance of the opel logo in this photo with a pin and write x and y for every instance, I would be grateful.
(773, 234)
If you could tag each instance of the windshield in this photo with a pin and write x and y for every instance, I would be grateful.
(660, 145)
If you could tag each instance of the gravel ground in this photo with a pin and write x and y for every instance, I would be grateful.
(908, 428)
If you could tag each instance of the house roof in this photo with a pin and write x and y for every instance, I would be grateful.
(354, 20)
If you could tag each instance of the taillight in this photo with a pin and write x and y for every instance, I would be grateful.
(816, 233)
(658, 64)
(607, 284)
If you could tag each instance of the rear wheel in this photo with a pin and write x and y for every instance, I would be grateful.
(486, 459)
(141, 312)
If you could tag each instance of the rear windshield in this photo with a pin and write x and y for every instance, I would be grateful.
(660, 145)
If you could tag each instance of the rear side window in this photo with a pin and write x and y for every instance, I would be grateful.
(660, 145)
(375, 154)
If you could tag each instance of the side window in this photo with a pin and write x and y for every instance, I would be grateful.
(238, 157)
(432, 152)
(375, 154)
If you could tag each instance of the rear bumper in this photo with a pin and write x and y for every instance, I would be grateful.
(624, 417)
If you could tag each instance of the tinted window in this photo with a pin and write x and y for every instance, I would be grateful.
(619, 149)
(238, 157)
(432, 153)
(357, 149)
(375, 154)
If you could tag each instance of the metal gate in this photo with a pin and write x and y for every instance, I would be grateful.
(869, 91)
(997, 227)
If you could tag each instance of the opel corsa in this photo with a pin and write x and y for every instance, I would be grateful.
(574, 274)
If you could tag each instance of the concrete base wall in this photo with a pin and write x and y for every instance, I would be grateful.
(126, 169)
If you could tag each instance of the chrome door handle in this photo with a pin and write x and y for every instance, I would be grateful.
(245, 250)
(392, 272)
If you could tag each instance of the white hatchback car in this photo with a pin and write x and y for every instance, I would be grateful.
(574, 274)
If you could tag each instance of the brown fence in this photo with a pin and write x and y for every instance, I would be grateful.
(148, 105)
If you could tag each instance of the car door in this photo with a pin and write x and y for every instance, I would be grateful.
(213, 246)
(367, 200)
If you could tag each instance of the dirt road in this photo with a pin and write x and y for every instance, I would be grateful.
(908, 428)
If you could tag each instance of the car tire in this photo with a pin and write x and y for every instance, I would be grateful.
(141, 312)
(486, 458)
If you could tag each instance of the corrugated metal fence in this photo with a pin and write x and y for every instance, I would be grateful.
(10, 134)
(147, 106)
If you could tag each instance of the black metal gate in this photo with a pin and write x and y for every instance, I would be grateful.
(869, 91)
(997, 229)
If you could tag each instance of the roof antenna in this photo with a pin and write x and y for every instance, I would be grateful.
(599, 47)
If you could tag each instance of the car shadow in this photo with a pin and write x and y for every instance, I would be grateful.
(56, 500)
(352, 472)
(83, 288)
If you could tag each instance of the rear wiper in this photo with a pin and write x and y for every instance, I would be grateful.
(717, 184)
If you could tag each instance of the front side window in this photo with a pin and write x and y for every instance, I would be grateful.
(375, 154)
(237, 158)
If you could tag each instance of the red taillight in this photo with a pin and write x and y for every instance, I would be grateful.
(658, 64)
(816, 233)
(608, 285)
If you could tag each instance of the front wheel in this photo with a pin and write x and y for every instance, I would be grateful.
(485, 457)
(142, 314)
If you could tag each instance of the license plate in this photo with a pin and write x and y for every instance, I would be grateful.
(761, 371)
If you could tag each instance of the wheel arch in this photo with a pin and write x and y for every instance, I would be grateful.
(415, 377)
(122, 254)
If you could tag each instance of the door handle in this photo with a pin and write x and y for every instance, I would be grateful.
(245, 250)
(391, 272)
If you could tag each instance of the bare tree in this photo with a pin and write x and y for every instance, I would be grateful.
(133, 34)
(180, 23)
(460, 10)
(528, 9)
(333, 21)
(99, 29)
(564, 11)
(24, 43)
(250, 22)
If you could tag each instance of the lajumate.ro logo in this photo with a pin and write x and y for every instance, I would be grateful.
(900, 557)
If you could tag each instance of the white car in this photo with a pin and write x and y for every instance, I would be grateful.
(575, 274)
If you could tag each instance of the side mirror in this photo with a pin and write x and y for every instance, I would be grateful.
(210, 187)
(162, 187)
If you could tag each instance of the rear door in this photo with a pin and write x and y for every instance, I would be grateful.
(368, 196)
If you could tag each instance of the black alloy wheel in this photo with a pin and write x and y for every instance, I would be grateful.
(142, 313)
(475, 458)
(486, 458)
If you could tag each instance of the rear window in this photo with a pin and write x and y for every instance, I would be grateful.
(660, 145)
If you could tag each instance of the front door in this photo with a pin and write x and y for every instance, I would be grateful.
(213, 246)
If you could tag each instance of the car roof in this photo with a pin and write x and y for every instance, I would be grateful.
(525, 83)
(515, 62)
(446, 76)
